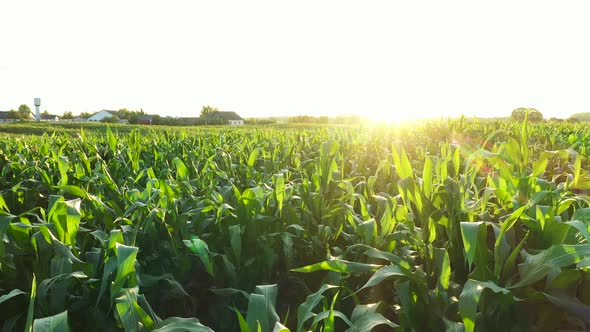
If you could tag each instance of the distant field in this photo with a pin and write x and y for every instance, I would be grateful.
(33, 128)
(442, 225)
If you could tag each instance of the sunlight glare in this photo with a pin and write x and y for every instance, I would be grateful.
(389, 118)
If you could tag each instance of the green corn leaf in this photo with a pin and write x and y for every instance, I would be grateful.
(173, 288)
(235, 236)
(111, 140)
(329, 322)
(370, 321)
(73, 190)
(126, 257)
(469, 233)
(572, 305)
(182, 172)
(257, 313)
(451, 326)
(442, 267)
(582, 214)
(510, 263)
(63, 167)
(229, 292)
(57, 323)
(243, 324)
(427, 187)
(580, 227)
(279, 184)
(3, 206)
(200, 248)
(537, 267)
(402, 163)
(175, 324)
(469, 299)
(366, 317)
(506, 226)
(338, 265)
(253, 156)
(382, 274)
(13, 293)
(270, 293)
(326, 314)
(31, 310)
(128, 316)
(280, 328)
(305, 310)
(109, 267)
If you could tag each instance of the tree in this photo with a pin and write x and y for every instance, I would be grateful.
(124, 113)
(24, 111)
(67, 115)
(206, 110)
(533, 114)
(12, 114)
(85, 115)
(110, 119)
(133, 118)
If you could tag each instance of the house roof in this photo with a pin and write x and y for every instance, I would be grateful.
(101, 115)
(3, 115)
(48, 116)
(228, 116)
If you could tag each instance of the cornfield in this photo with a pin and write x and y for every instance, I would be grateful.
(444, 226)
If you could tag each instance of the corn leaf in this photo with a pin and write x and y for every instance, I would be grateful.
(57, 323)
(338, 265)
(537, 267)
(469, 300)
(174, 324)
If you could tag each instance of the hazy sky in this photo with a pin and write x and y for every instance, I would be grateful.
(391, 59)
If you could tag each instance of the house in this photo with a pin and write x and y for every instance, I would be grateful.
(145, 119)
(5, 117)
(98, 117)
(230, 118)
(49, 117)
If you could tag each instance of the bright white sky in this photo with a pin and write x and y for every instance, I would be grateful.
(390, 59)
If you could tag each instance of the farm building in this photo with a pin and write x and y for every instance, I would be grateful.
(98, 117)
(49, 117)
(230, 118)
(5, 117)
(145, 119)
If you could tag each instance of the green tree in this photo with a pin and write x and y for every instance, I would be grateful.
(124, 113)
(573, 120)
(110, 119)
(67, 115)
(85, 115)
(133, 118)
(24, 111)
(533, 114)
(12, 114)
(206, 110)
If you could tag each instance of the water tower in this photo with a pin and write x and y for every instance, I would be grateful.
(37, 114)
